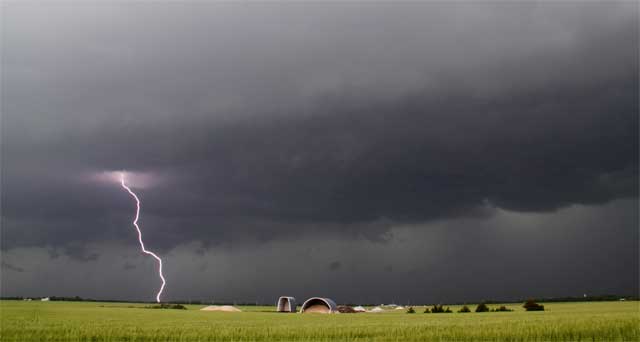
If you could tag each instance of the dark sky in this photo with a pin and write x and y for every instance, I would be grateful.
(365, 152)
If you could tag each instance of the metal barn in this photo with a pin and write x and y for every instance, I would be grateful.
(319, 305)
(286, 304)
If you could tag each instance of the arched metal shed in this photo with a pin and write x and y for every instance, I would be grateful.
(319, 305)
(286, 304)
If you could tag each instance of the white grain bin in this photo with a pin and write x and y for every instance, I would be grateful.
(286, 304)
(319, 305)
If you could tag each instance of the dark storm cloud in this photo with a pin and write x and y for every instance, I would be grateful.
(11, 267)
(265, 120)
(80, 252)
(127, 266)
(335, 265)
(576, 250)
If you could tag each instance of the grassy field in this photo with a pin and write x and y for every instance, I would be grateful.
(85, 321)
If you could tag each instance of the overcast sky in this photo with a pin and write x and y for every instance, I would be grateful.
(366, 152)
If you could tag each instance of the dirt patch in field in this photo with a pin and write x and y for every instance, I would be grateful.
(346, 309)
(223, 308)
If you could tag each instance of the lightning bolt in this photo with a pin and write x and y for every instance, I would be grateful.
(144, 250)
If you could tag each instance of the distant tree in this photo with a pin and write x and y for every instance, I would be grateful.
(531, 305)
(426, 310)
(482, 307)
(167, 306)
(411, 310)
(438, 308)
(502, 308)
(464, 309)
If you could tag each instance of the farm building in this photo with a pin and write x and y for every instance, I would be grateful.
(319, 305)
(286, 304)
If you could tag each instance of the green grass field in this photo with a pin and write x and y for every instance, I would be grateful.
(86, 321)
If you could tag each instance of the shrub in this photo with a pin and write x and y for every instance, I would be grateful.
(168, 306)
(502, 308)
(531, 305)
(464, 309)
(440, 309)
(426, 310)
(411, 310)
(482, 307)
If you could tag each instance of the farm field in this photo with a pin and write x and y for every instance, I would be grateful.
(91, 321)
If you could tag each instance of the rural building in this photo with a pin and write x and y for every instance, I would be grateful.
(286, 304)
(319, 305)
